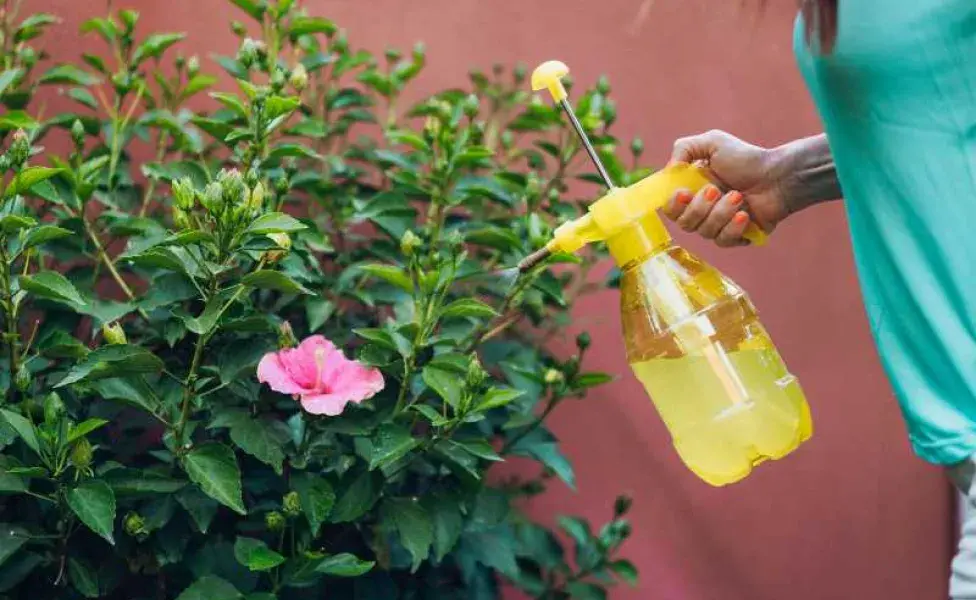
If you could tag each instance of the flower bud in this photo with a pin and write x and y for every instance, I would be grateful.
(291, 504)
(23, 379)
(476, 373)
(278, 79)
(193, 66)
(455, 240)
(622, 505)
(53, 408)
(4, 163)
(213, 196)
(637, 146)
(135, 525)
(183, 194)
(81, 454)
(286, 336)
(232, 186)
(180, 219)
(298, 78)
(471, 105)
(256, 198)
(609, 112)
(393, 54)
(78, 133)
(180, 62)
(603, 85)
(553, 376)
(275, 521)
(19, 149)
(519, 73)
(28, 56)
(419, 51)
(282, 185)
(247, 53)
(114, 334)
(238, 28)
(409, 243)
(583, 341)
(508, 140)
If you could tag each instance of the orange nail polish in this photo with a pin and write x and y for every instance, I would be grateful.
(684, 198)
(741, 217)
(712, 194)
(735, 198)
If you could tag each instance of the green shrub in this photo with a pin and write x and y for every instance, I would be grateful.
(147, 270)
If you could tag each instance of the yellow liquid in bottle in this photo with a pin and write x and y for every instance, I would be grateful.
(724, 410)
(695, 343)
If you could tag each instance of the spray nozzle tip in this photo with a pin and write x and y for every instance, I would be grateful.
(549, 76)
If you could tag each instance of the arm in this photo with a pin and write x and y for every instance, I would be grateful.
(805, 171)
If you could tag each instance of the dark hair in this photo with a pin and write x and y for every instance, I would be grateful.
(820, 19)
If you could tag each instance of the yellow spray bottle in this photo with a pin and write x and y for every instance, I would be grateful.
(692, 335)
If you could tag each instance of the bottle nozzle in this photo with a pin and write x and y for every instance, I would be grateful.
(533, 259)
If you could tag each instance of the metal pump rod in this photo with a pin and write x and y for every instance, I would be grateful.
(568, 109)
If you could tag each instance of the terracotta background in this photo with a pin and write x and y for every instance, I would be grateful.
(851, 515)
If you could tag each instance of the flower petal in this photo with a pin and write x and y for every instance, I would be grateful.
(273, 372)
(325, 404)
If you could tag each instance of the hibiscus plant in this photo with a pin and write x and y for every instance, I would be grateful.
(258, 336)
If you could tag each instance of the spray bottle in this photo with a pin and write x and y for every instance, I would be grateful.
(692, 335)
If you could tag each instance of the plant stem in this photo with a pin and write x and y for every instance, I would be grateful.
(551, 406)
(11, 333)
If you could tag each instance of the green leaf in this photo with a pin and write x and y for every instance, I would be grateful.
(198, 84)
(391, 443)
(250, 7)
(16, 119)
(7, 77)
(27, 178)
(496, 397)
(14, 223)
(579, 590)
(317, 498)
(83, 96)
(133, 391)
(135, 482)
(275, 223)
(45, 233)
(358, 498)
(306, 25)
(480, 448)
(293, 150)
(255, 554)
(232, 102)
(84, 428)
(542, 446)
(588, 380)
(276, 108)
(213, 467)
(84, 578)
(11, 540)
(625, 570)
(468, 307)
(113, 361)
(447, 384)
(23, 427)
(154, 46)
(274, 280)
(409, 519)
(264, 439)
(391, 274)
(318, 311)
(344, 565)
(94, 503)
(448, 523)
(495, 237)
(17, 569)
(201, 508)
(106, 28)
(51, 285)
(210, 587)
(67, 73)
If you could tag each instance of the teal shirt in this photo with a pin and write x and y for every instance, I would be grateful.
(897, 98)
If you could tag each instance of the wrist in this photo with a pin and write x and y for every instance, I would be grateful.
(803, 173)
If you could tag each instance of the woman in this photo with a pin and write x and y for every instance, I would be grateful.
(894, 82)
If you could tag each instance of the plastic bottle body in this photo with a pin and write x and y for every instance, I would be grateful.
(696, 344)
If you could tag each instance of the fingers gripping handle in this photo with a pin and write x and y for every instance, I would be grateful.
(693, 177)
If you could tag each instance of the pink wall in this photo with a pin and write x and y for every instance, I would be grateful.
(853, 514)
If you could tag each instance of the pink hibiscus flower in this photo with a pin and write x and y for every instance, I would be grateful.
(320, 375)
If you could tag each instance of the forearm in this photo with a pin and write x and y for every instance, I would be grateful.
(805, 171)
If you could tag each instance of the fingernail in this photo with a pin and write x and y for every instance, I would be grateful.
(735, 198)
(684, 198)
(741, 217)
(712, 193)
